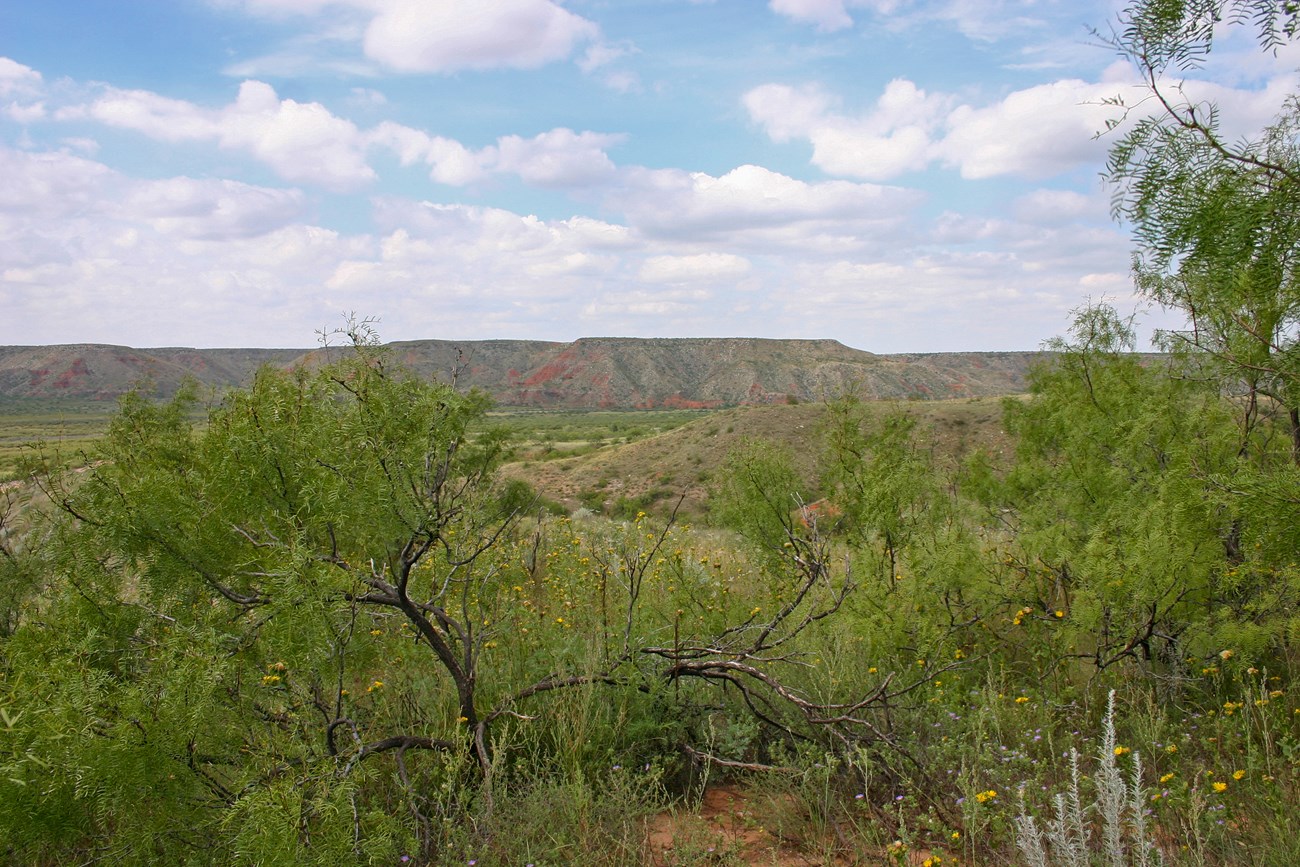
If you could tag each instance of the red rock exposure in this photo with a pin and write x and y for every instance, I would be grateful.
(590, 373)
(77, 369)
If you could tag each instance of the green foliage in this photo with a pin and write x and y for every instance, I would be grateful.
(878, 479)
(1215, 220)
(760, 495)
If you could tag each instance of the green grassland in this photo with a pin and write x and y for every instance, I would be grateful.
(548, 436)
(68, 428)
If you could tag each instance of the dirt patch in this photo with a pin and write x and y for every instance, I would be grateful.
(729, 828)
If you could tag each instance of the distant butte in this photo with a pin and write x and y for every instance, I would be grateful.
(590, 373)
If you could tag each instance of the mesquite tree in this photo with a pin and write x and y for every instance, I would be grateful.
(314, 623)
(1216, 217)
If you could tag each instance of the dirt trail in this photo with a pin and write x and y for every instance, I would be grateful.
(728, 828)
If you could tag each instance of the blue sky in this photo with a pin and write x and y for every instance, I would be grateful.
(900, 175)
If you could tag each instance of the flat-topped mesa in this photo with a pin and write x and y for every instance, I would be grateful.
(589, 373)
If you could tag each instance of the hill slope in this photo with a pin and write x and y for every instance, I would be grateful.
(656, 470)
(625, 373)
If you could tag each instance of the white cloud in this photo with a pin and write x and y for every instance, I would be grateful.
(284, 8)
(600, 54)
(306, 143)
(49, 188)
(991, 20)
(756, 203)
(212, 209)
(17, 79)
(558, 158)
(156, 116)
(25, 114)
(702, 267)
(828, 15)
(1054, 207)
(894, 138)
(367, 97)
(450, 35)
(445, 35)
(441, 36)
(302, 142)
(597, 59)
(87, 146)
(21, 83)
(1033, 132)
(1036, 132)
(103, 248)
(449, 161)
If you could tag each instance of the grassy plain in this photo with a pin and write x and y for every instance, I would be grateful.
(608, 461)
(71, 427)
(67, 427)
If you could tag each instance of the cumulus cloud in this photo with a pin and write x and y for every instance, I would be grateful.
(302, 142)
(449, 161)
(558, 158)
(212, 209)
(1034, 132)
(828, 15)
(17, 79)
(449, 35)
(306, 143)
(50, 187)
(702, 267)
(104, 247)
(895, 137)
(101, 249)
(19, 84)
(751, 199)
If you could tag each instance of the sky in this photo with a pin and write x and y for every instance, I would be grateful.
(898, 175)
